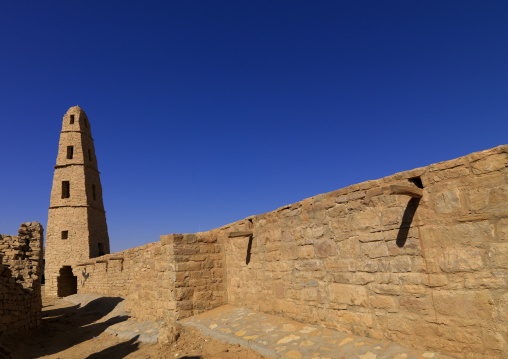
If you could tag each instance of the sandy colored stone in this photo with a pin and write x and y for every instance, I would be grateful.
(448, 201)
(343, 259)
(348, 294)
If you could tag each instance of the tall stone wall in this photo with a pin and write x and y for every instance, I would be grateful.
(420, 257)
(20, 279)
(431, 272)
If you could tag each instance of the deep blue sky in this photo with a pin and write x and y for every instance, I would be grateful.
(206, 112)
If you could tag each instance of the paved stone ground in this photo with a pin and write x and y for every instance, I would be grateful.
(270, 335)
(146, 332)
(279, 337)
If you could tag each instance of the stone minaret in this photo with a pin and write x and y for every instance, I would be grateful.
(77, 228)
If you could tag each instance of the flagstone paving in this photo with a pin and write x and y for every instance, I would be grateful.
(279, 337)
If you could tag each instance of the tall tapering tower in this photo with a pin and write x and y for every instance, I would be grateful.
(77, 227)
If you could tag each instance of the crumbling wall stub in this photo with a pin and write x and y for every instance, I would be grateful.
(179, 276)
(20, 279)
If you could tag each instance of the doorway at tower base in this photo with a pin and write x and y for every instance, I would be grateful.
(67, 282)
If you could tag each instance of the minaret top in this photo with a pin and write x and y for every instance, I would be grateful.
(76, 120)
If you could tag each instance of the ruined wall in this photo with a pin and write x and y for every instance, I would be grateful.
(429, 272)
(179, 276)
(20, 279)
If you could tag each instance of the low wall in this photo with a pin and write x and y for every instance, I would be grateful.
(20, 279)
(420, 257)
(179, 276)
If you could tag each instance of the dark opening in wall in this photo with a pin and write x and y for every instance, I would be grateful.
(86, 122)
(416, 181)
(70, 152)
(93, 192)
(72, 120)
(89, 154)
(67, 282)
(65, 234)
(101, 249)
(66, 189)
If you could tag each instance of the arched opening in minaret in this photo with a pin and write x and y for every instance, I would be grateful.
(67, 282)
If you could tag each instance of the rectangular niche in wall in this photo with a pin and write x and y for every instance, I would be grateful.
(70, 152)
(66, 189)
(65, 234)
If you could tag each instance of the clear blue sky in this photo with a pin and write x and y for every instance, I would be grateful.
(207, 112)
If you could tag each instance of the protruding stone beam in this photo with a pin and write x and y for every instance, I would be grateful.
(414, 192)
(240, 234)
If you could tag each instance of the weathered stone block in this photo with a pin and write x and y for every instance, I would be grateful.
(413, 304)
(325, 248)
(309, 265)
(448, 201)
(382, 302)
(498, 255)
(460, 234)
(348, 294)
(461, 259)
(306, 252)
(367, 265)
(489, 164)
(349, 248)
(374, 249)
(289, 251)
(386, 289)
(400, 265)
(464, 304)
(502, 229)
(367, 219)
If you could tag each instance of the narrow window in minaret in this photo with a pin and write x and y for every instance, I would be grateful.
(66, 190)
(70, 152)
(65, 234)
(72, 120)
(86, 122)
(89, 154)
(93, 192)
(101, 249)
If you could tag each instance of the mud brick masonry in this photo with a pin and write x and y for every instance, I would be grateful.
(419, 257)
(20, 279)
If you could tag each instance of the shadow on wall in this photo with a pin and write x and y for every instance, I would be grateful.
(249, 249)
(70, 326)
(407, 220)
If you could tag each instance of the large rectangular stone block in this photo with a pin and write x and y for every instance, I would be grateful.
(348, 294)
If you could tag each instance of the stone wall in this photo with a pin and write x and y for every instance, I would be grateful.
(77, 228)
(420, 257)
(179, 276)
(20, 279)
(431, 272)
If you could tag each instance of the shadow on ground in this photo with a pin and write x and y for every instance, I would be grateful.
(117, 351)
(71, 325)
